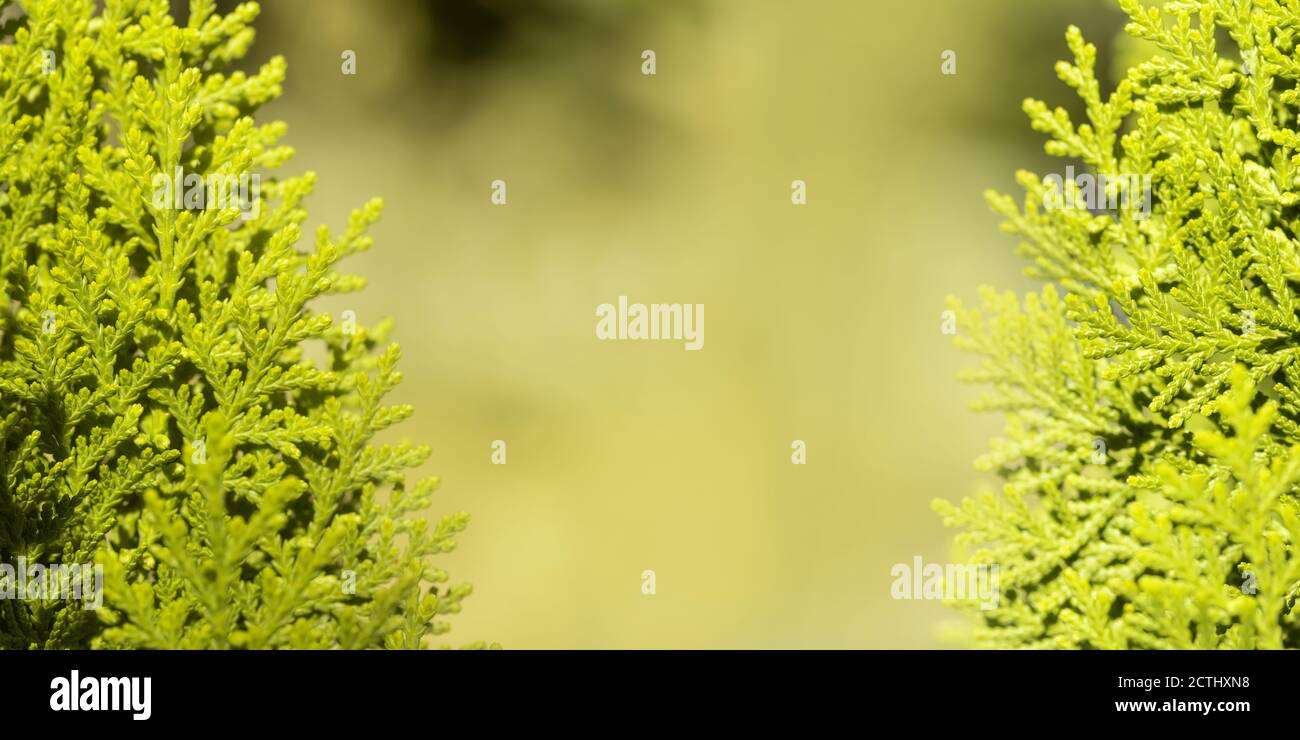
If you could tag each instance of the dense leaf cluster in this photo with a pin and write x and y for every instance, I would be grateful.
(1152, 389)
(171, 406)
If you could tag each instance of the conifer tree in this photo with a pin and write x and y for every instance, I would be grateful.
(171, 406)
(1152, 388)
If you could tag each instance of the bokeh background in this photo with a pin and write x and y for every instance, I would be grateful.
(822, 321)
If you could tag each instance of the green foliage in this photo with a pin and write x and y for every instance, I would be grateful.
(1151, 456)
(160, 410)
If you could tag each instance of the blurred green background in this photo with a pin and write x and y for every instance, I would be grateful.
(823, 321)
